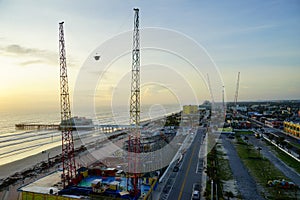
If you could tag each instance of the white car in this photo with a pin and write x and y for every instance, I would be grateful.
(196, 195)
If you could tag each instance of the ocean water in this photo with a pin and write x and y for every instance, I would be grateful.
(19, 144)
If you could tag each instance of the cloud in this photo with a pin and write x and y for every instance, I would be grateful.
(31, 56)
(30, 62)
(246, 29)
(150, 90)
(256, 28)
(19, 50)
(245, 87)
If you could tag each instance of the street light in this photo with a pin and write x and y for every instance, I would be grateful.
(48, 156)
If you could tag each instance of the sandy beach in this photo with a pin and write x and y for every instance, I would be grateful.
(27, 163)
(9, 169)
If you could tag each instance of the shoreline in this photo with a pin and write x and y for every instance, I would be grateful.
(34, 165)
(23, 164)
(31, 166)
(9, 169)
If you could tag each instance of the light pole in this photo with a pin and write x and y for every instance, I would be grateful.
(48, 157)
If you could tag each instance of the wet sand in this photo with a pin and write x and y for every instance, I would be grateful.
(9, 169)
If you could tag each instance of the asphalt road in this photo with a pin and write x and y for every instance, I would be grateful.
(279, 133)
(245, 182)
(190, 171)
(266, 152)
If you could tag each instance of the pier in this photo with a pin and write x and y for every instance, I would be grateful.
(107, 128)
(36, 126)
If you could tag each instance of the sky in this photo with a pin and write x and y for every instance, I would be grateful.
(259, 39)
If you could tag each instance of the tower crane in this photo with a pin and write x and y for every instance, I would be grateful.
(210, 90)
(223, 99)
(237, 90)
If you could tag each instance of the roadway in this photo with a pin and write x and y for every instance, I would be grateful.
(190, 171)
(277, 131)
(245, 182)
(267, 152)
(290, 138)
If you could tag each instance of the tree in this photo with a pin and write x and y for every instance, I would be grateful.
(246, 138)
(288, 146)
(229, 194)
(298, 152)
(259, 149)
(281, 141)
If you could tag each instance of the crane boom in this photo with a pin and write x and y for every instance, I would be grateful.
(237, 90)
(210, 90)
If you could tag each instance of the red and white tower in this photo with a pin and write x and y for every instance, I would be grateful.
(134, 136)
(68, 160)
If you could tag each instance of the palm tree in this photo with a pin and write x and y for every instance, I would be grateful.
(259, 149)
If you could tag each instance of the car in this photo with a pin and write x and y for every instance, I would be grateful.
(231, 136)
(196, 195)
(196, 186)
(176, 169)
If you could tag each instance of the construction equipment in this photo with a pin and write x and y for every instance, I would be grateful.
(210, 91)
(68, 160)
(237, 90)
(223, 100)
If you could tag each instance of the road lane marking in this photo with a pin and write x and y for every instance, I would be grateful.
(186, 173)
(199, 156)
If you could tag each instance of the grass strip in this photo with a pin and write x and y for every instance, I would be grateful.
(291, 162)
(263, 171)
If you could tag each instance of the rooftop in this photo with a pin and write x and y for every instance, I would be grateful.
(94, 182)
(45, 184)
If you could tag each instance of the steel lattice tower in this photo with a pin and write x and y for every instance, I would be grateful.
(134, 137)
(68, 160)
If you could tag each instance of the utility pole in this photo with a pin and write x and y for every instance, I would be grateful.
(68, 160)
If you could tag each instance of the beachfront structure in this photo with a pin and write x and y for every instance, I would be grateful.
(292, 128)
(92, 183)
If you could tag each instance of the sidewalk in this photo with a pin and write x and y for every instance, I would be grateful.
(203, 154)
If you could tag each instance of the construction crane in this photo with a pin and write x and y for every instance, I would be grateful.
(68, 160)
(237, 90)
(210, 91)
(134, 136)
(223, 99)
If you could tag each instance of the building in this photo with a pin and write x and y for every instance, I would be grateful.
(190, 109)
(274, 123)
(90, 183)
(292, 128)
(78, 123)
(241, 108)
